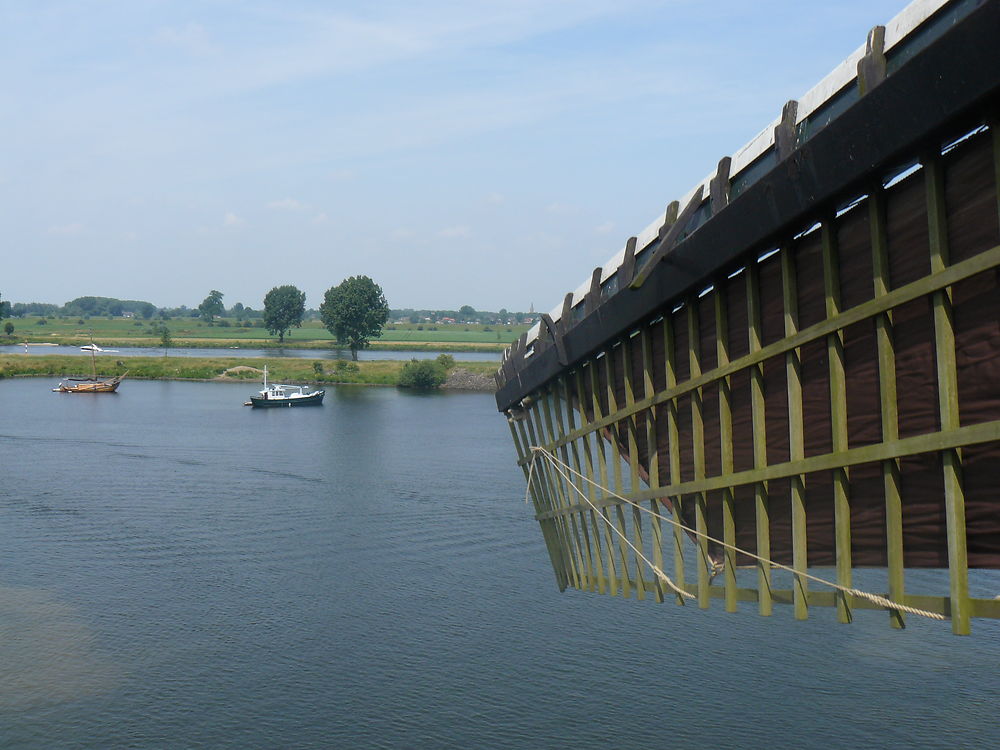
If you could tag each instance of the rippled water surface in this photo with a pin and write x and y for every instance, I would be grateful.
(364, 355)
(177, 570)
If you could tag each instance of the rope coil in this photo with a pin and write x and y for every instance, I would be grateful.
(565, 470)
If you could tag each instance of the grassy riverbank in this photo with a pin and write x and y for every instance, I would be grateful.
(223, 334)
(285, 370)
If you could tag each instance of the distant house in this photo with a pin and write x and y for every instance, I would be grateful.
(446, 320)
(128, 315)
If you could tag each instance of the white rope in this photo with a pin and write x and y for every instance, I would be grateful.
(875, 598)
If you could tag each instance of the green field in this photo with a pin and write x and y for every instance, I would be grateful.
(382, 372)
(225, 333)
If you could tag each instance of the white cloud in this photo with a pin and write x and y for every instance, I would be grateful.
(232, 220)
(321, 218)
(191, 38)
(495, 199)
(604, 228)
(561, 209)
(455, 232)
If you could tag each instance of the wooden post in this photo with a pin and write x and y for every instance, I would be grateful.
(838, 417)
(673, 440)
(726, 446)
(633, 461)
(947, 377)
(762, 514)
(609, 545)
(698, 449)
(652, 457)
(590, 474)
(796, 440)
(619, 484)
(561, 393)
(886, 353)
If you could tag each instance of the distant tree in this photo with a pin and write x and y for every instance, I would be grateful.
(8, 328)
(4, 309)
(519, 317)
(354, 312)
(165, 339)
(467, 312)
(212, 306)
(237, 311)
(284, 307)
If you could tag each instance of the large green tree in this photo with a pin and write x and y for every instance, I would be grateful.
(354, 312)
(284, 307)
(212, 306)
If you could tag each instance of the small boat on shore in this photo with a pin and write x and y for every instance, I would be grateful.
(275, 394)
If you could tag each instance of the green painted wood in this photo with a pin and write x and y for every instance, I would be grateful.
(533, 424)
(614, 456)
(673, 439)
(983, 432)
(652, 458)
(698, 452)
(759, 437)
(947, 376)
(984, 261)
(796, 433)
(631, 429)
(589, 471)
(571, 457)
(886, 353)
(838, 414)
(561, 498)
(599, 442)
(726, 448)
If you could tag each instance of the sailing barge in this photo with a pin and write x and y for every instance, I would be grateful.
(797, 365)
(93, 384)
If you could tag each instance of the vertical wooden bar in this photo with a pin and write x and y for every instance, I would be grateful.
(551, 545)
(762, 515)
(886, 352)
(673, 440)
(633, 462)
(534, 425)
(796, 440)
(595, 389)
(615, 456)
(838, 417)
(590, 474)
(947, 377)
(652, 457)
(698, 448)
(726, 446)
(561, 392)
(561, 494)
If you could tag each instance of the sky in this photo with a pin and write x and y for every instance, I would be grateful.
(459, 153)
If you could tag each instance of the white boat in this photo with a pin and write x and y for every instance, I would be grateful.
(95, 348)
(276, 394)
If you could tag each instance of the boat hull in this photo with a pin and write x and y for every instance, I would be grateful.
(89, 386)
(313, 399)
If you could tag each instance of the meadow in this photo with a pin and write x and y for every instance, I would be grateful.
(230, 333)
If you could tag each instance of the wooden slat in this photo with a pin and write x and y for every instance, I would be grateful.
(633, 460)
(652, 456)
(726, 448)
(564, 405)
(796, 437)
(698, 454)
(674, 448)
(563, 500)
(602, 463)
(886, 353)
(984, 261)
(759, 437)
(618, 512)
(838, 415)
(947, 376)
(588, 470)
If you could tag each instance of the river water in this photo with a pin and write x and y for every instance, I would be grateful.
(179, 571)
(364, 355)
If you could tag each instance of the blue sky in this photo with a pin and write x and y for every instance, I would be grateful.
(489, 154)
